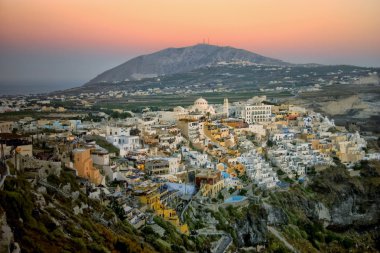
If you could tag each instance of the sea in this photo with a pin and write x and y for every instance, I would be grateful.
(33, 88)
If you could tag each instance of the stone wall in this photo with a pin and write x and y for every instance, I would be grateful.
(42, 168)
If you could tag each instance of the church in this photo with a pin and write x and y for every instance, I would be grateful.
(201, 106)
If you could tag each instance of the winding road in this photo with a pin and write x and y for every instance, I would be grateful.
(282, 239)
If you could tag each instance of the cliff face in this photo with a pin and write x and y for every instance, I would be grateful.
(252, 229)
(6, 239)
(335, 211)
(334, 198)
(344, 105)
(345, 201)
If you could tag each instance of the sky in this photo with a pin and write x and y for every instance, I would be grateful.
(71, 41)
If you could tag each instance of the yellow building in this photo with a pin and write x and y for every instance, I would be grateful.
(236, 170)
(211, 190)
(84, 166)
(215, 132)
(152, 199)
(322, 147)
(349, 152)
(209, 183)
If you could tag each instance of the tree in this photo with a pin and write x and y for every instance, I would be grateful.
(244, 178)
(311, 171)
(243, 192)
(118, 115)
(135, 131)
(220, 196)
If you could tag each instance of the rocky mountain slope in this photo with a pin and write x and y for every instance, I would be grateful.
(39, 219)
(179, 60)
(333, 212)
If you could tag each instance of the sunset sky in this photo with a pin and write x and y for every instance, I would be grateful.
(73, 40)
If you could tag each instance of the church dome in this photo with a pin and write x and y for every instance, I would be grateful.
(201, 104)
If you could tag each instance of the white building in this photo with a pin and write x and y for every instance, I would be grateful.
(282, 137)
(190, 129)
(195, 158)
(100, 157)
(295, 158)
(163, 165)
(257, 113)
(117, 131)
(258, 169)
(257, 129)
(125, 144)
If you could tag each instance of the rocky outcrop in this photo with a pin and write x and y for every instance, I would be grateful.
(343, 106)
(276, 216)
(7, 243)
(351, 213)
(252, 229)
(339, 201)
(322, 213)
(351, 202)
(345, 212)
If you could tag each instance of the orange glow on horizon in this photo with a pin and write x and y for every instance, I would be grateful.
(268, 26)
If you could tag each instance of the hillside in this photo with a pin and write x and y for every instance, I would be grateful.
(62, 218)
(179, 60)
(334, 212)
(44, 220)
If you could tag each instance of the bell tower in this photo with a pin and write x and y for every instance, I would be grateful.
(226, 107)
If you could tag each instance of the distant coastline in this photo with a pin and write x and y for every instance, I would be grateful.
(34, 87)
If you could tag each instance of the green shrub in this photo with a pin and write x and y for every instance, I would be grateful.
(348, 243)
(176, 248)
(243, 192)
(79, 245)
(95, 248)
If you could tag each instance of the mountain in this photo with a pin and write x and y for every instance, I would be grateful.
(179, 60)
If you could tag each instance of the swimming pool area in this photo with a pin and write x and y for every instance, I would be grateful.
(235, 199)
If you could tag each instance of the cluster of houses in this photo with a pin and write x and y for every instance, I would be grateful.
(150, 156)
